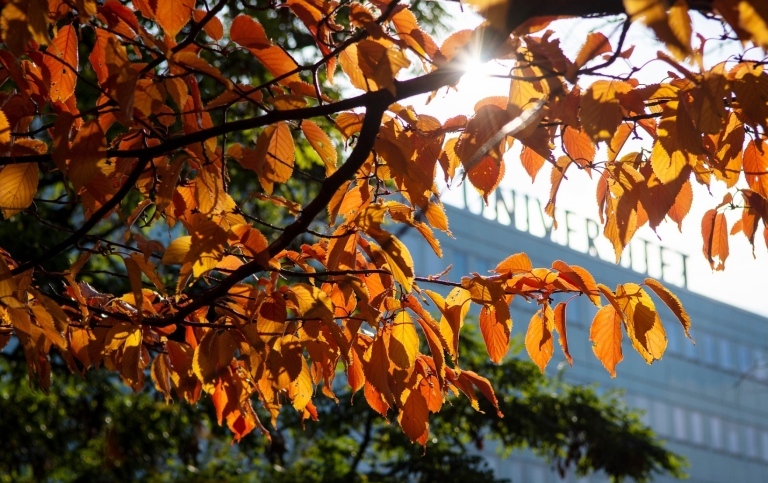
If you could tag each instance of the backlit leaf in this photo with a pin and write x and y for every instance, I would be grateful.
(19, 182)
(642, 322)
(173, 15)
(672, 302)
(605, 334)
(538, 338)
(62, 64)
(404, 341)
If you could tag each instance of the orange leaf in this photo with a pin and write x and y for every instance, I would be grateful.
(413, 418)
(481, 383)
(538, 338)
(605, 334)
(173, 15)
(213, 27)
(322, 145)
(496, 328)
(579, 146)
(756, 167)
(62, 64)
(517, 263)
(248, 33)
(274, 156)
(600, 109)
(559, 325)
(88, 156)
(595, 45)
(714, 231)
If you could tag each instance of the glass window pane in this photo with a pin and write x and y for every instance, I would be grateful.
(660, 418)
(750, 441)
(745, 358)
(673, 338)
(732, 434)
(697, 428)
(678, 415)
(716, 432)
(764, 444)
(641, 404)
(708, 348)
(726, 358)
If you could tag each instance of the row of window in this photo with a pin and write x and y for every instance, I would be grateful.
(708, 430)
(720, 352)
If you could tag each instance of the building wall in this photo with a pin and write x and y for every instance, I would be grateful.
(709, 401)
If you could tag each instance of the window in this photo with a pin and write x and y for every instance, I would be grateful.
(716, 432)
(697, 427)
(641, 403)
(750, 441)
(726, 354)
(678, 418)
(660, 418)
(708, 348)
(745, 358)
(761, 366)
(732, 437)
(764, 444)
(673, 338)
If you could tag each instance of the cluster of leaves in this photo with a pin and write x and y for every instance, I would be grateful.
(145, 134)
(88, 429)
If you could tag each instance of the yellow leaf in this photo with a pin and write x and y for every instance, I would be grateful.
(605, 334)
(212, 356)
(177, 250)
(22, 21)
(5, 129)
(642, 322)
(601, 111)
(404, 341)
(380, 63)
(18, 185)
(398, 258)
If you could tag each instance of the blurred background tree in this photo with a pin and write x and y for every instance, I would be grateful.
(94, 430)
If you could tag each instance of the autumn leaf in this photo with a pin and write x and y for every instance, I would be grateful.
(20, 182)
(605, 334)
(174, 15)
(538, 338)
(642, 322)
(62, 64)
(672, 302)
(601, 111)
(714, 231)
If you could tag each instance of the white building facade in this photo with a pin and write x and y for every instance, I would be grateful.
(708, 401)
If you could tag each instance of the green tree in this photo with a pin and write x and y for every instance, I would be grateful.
(89, 429)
